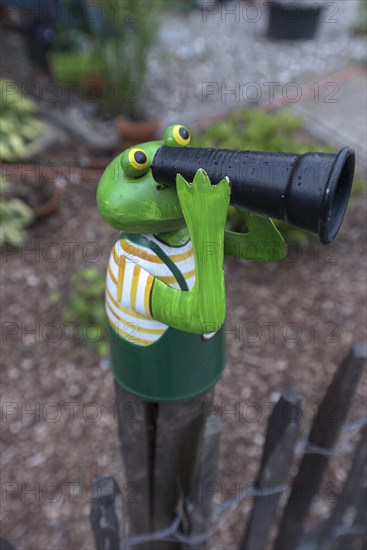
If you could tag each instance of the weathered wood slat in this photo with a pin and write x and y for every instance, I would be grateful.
(5, 545)
(136, 431)
(349, 503)
(198, 504)
(325, 429)
(354, 537)
(279, 447)
(179, 430)
(106, 516)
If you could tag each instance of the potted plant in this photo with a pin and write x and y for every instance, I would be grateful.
(113, 55)
(294, 19)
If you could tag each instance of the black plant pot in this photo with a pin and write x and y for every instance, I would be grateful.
(293, 20)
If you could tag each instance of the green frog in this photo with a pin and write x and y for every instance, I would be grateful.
(165, 287)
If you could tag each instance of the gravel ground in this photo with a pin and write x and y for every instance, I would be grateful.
(204, 54)
(314, 300)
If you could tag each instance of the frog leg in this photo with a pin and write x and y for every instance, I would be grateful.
(260, 240)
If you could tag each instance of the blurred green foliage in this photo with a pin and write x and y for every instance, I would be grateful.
(21, 132)
(76, 67)
(15, 215)
(360, 26)
(184, 6)
(85, 306)
(258, 130)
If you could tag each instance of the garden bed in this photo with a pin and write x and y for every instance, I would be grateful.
(288, 324)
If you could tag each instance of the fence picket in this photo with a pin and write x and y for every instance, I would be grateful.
(324, 432)
(105, 516)
(135, 424)
(198, 510)
(179, 429)
(349, 502)
(279, 447)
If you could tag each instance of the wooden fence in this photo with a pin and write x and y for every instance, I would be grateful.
(170, 452)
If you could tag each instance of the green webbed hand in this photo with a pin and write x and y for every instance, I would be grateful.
(261, 242)
(203, 308)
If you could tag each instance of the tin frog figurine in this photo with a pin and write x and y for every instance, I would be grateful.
(165, 287)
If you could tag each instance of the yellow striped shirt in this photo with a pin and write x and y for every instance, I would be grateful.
(130, 276)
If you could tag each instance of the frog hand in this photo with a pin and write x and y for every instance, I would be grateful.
(205, 208)
(262, 241)
(204, 205)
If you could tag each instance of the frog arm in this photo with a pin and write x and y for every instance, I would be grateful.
(201, 309)
(261, 242)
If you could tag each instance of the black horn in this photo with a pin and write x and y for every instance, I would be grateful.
(309, 191)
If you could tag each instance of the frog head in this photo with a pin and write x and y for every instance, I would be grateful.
(128, 197)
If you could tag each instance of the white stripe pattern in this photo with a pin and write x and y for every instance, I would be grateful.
(130, 276)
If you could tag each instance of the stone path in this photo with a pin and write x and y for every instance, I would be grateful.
(341, 119)
(218, 61)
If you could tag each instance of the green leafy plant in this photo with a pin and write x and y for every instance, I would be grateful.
(185, 7)
(86, 308)
(21, 132)
(15, 215)
(261, 131)
(76, 67)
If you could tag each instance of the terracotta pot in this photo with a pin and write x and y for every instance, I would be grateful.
(44, 198)
(51, 205)
(132, 132)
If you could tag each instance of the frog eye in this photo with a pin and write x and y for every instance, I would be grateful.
(176, 135)
(135, 162)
